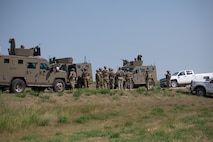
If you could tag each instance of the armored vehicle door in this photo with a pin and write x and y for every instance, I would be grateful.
(31, 72)
(139, 76)
(44, 74)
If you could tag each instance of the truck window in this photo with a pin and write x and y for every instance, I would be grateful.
(63, 67)
(6, 61)
(182, 73)
(44, 66)
(31, 65)
(142, 70)
(189, 72)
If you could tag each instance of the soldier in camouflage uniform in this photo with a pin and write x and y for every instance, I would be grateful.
(148, 78)
(111, 79)
(128, 78)
(98, 79)
(120, 77)
(101, 78)
(168, 79)
(106, 77)
(72, 78)
(86, 78)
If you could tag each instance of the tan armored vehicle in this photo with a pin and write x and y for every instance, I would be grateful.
(21, 69)
(138, 71)
(66, 64)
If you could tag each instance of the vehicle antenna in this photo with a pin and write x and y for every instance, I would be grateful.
(85, 60)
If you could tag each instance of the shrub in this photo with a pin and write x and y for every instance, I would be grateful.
(141, 90)
(104, 91)
(78, 93)
(63, 119)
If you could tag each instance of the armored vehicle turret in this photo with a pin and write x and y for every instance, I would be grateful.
(35, 51)
(138, 71)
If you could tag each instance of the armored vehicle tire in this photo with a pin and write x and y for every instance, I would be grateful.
(59, 85)
(17, 86)
(174, 83)
(200, 91)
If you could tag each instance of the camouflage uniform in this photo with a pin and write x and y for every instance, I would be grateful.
(85, 77)
(101, 78)
(106, 77)
(168, 79)
(148, 78)
(120, 77)
(72, 78)
(98, 79)
(128, 78)
(111, 79)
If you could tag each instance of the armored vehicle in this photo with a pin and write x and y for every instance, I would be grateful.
(138, 71)
(66, 64)
(21, 69)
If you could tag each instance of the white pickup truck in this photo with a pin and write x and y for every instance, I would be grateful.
(202, 87)
(184, 77)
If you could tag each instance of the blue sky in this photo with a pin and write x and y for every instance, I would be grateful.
(171, 34)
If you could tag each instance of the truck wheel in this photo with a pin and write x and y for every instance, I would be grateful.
(59, 85)
(17, 86)
(200, 91)
(174, 84)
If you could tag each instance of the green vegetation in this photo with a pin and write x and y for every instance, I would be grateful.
(106, 115)
(21, 95)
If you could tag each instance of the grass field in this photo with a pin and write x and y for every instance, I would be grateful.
(90, 115)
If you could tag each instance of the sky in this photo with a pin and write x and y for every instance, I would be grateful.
(170, 34)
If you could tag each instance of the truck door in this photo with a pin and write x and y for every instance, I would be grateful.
(190, 76)
(31, 72)
(210, 86)
(182, 78)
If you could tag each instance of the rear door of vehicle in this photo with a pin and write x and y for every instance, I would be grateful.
(189, 76)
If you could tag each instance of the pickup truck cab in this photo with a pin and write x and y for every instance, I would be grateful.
(202, 87)
(184, 77)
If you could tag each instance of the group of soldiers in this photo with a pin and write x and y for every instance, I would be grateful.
(107, 78)
(85, 78)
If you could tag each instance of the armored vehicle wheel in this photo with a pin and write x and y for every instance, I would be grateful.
(17, 86)
(59, 85)
(200, 91)
(174, 84)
